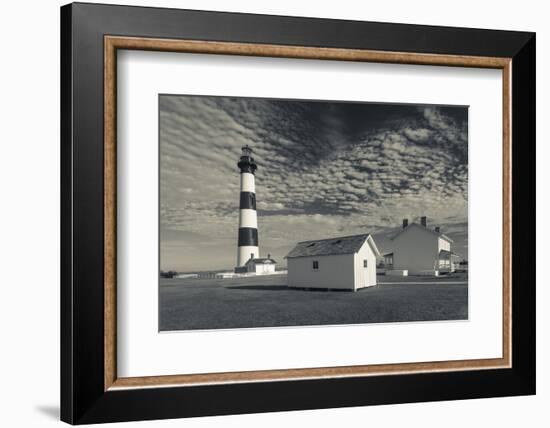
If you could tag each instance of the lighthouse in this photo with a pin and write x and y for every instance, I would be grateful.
(248, 222)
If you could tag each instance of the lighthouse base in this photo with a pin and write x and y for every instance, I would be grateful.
(245, 253)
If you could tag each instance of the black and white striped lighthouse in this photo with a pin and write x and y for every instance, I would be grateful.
(248, 221)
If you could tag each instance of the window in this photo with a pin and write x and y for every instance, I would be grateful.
(315, 265)
(365, 263)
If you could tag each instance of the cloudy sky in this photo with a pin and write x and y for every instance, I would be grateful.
(325, 169)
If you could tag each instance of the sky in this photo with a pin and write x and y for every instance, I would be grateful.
(325, 169)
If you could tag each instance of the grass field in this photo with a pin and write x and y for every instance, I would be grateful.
(266, 301)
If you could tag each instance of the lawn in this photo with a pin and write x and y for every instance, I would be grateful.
(266, 301)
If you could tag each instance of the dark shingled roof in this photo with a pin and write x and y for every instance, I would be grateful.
(325, 247)
(263, 260)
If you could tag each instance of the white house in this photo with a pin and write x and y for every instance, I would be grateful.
(258, 265)
(421, 250)
(347, 262)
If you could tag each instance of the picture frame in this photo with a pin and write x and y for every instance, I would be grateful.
(91, 391)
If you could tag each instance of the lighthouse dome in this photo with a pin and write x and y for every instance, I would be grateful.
(246, 162)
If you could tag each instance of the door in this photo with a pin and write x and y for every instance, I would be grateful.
(366, 272)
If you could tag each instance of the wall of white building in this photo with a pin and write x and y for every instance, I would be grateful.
(365, 277)
(444, 245)
(265, 268)
(415, 249)
(335, 271)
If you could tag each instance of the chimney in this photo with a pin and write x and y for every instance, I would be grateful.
(268, 255)
(437, 229)
(423, 220)
(405, 222)
(251, 256)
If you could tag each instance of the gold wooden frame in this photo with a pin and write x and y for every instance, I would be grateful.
(113, 43)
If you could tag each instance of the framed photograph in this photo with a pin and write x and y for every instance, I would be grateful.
(266, 213)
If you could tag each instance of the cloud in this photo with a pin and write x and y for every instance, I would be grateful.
(418, 134)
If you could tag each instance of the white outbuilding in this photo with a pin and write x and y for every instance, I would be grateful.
(347, 262)
(421, 250)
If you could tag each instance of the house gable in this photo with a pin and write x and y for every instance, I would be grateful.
(373, 246)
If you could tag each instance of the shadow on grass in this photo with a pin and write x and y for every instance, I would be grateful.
(283, 288)
(260, 287)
